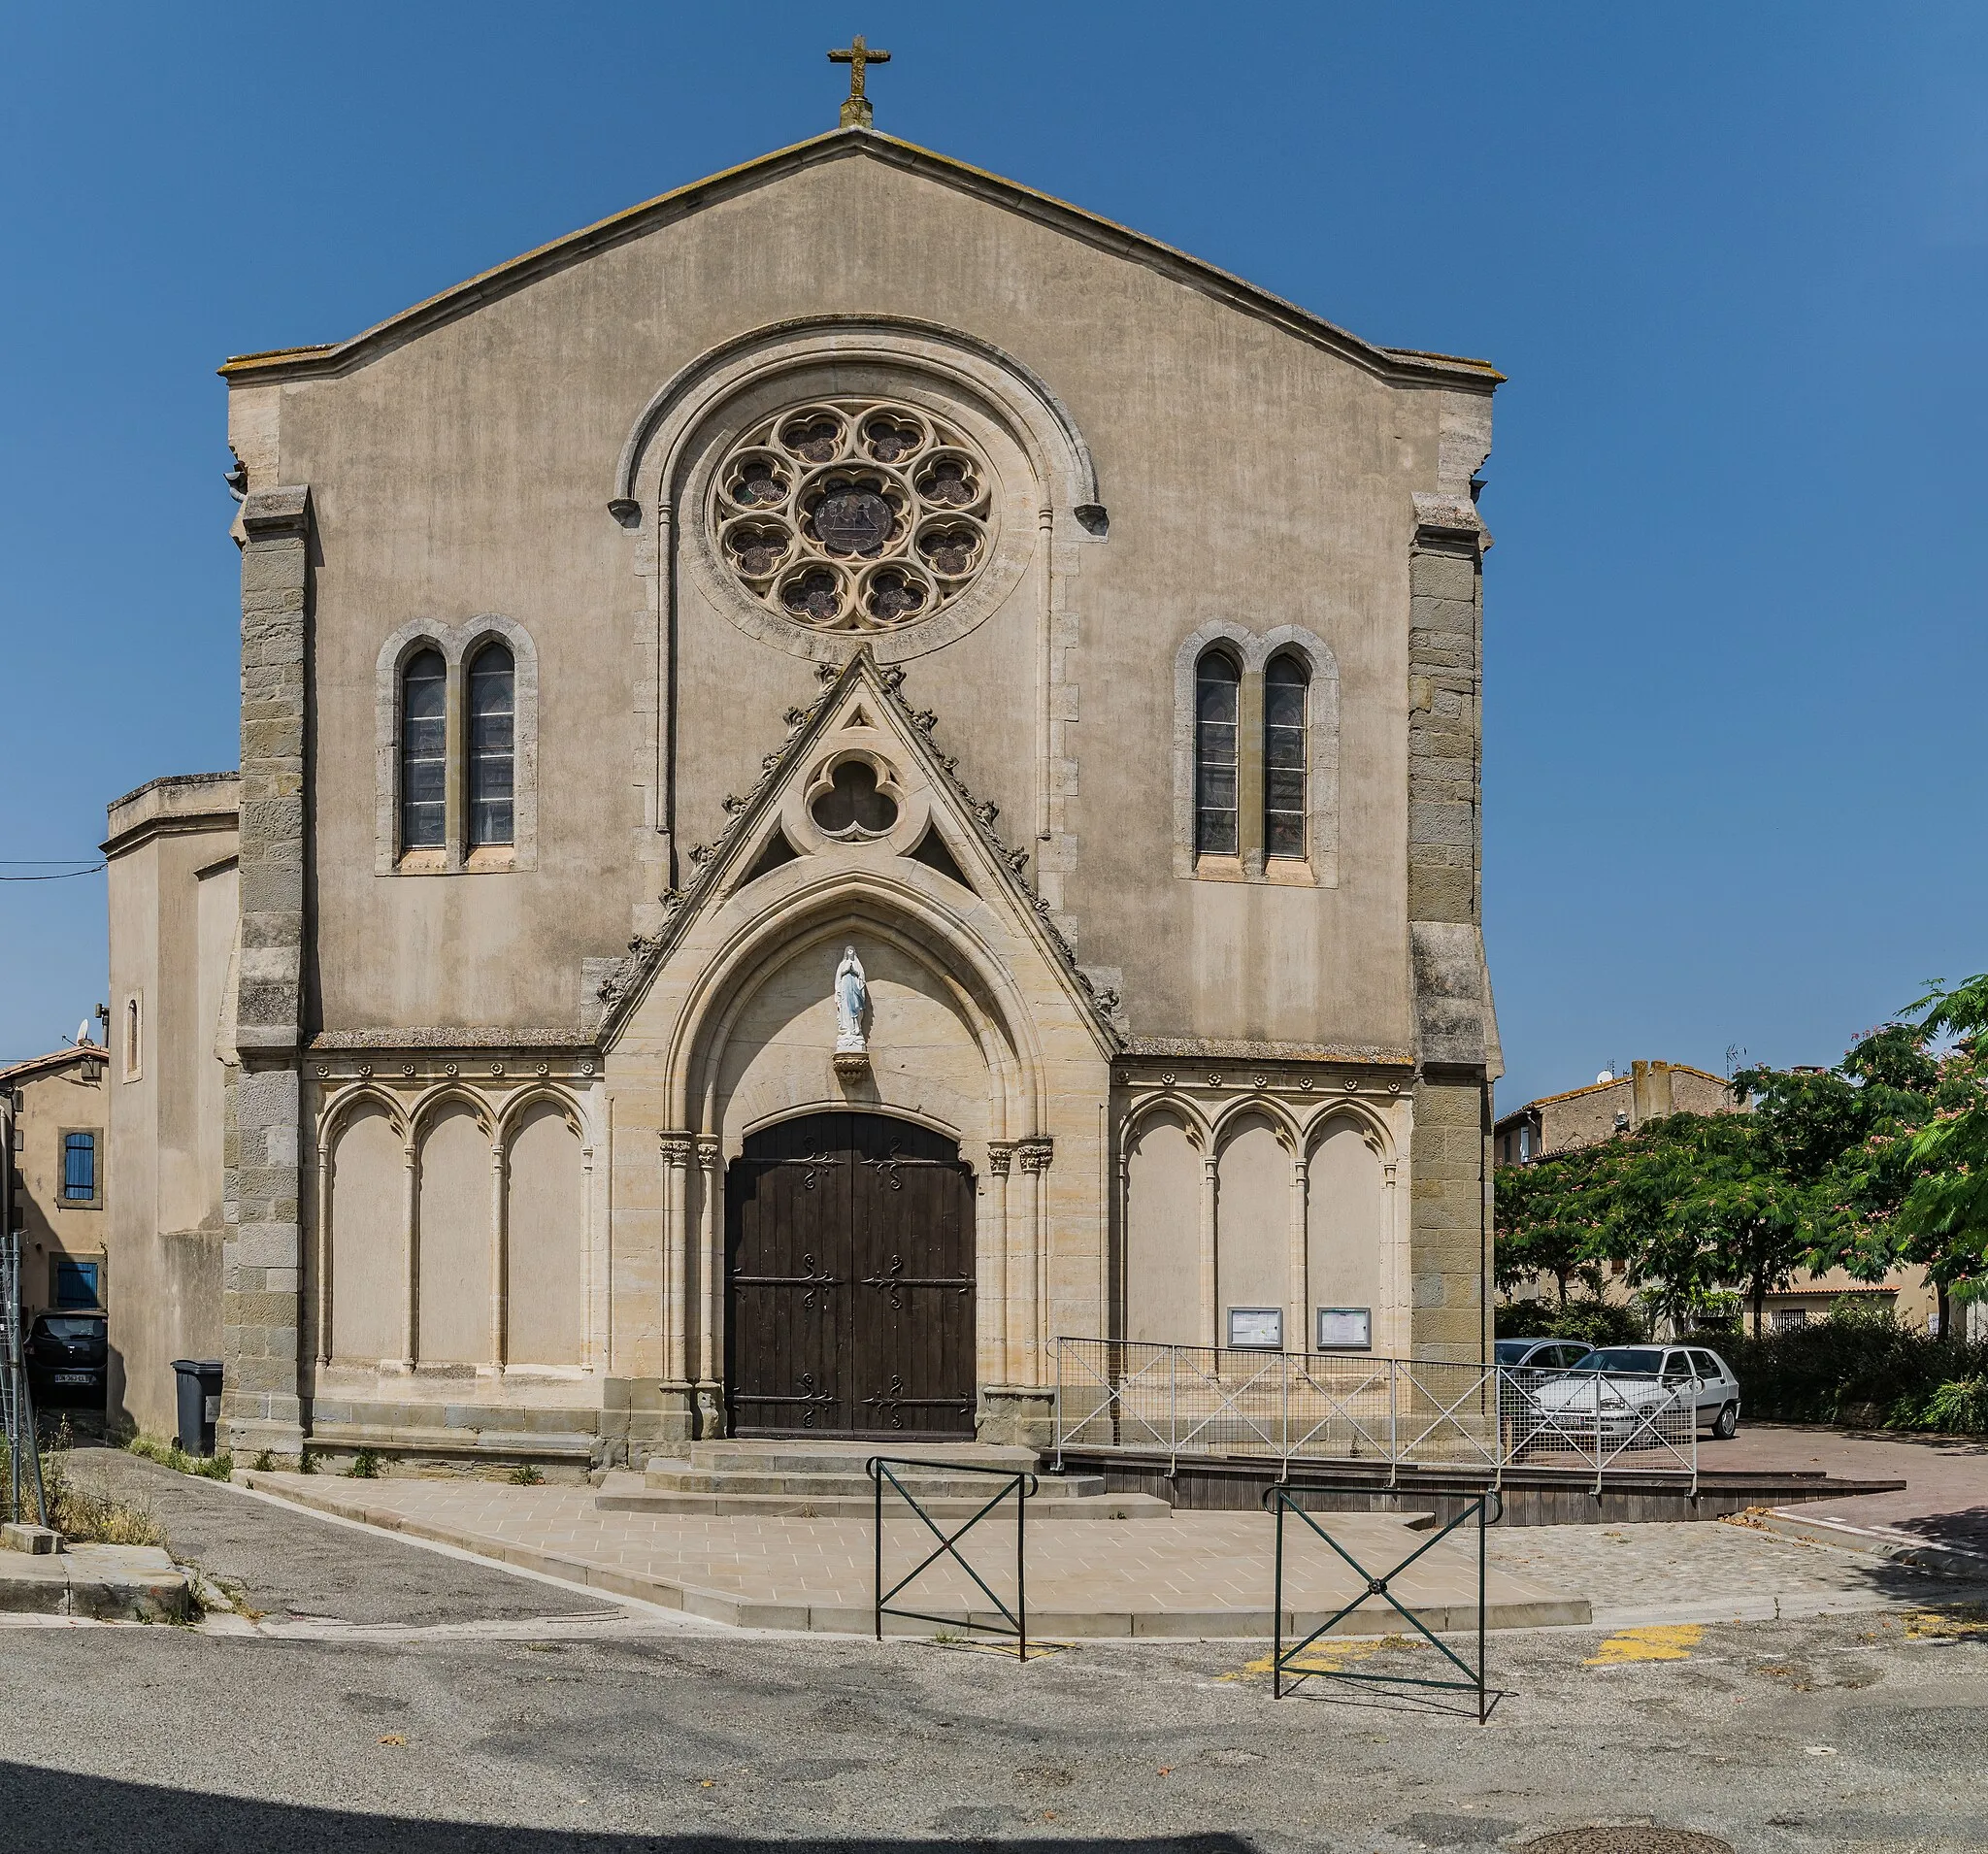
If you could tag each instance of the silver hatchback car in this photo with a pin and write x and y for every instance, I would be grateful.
(1620, 1387)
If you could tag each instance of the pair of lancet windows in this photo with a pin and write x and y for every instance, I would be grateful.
(1257, 782)
(487, 757)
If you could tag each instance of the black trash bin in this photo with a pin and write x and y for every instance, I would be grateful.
(200, 1403)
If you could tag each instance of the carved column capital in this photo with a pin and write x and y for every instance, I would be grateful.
(676, 1149)
(1034, 1154)
(706, 1152)
(999, 1156)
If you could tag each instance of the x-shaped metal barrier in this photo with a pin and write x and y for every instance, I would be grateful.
(1023, 1485)
(1485, 1508)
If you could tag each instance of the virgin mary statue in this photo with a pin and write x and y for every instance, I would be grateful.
(851, 993)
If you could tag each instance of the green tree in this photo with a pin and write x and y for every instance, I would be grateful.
(1941, 1219)
(1549, 1216)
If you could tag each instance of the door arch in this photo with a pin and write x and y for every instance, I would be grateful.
(849, 1280)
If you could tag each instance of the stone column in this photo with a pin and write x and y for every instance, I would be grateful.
(262, 1241)
(1000, 1156)
(410, 1255)
(711, 1248)
(500, 1259)
(676, 1150)
(1298, 1296)
(1028, 1337)
(1210, 1309)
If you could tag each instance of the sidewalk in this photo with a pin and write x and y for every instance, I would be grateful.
(1940, 1518)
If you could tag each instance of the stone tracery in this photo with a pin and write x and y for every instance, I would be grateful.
(853, 514)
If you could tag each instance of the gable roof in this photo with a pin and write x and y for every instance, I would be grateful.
(331, 359)
(52, 1063)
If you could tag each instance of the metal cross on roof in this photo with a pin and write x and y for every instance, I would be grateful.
(856, 111)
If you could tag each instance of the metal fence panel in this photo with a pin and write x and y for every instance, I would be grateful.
(1220, 1401)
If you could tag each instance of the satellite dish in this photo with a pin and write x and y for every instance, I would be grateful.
(82, 1032)
(1606, 1074)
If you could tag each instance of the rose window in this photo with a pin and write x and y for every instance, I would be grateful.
(854, 515)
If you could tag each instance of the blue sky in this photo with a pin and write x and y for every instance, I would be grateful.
(1732, 259)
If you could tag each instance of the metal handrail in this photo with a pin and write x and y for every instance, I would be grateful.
(1204, 1400)
(1022, 1484)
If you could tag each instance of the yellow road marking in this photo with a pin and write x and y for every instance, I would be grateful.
(1665, 1642)
(1330, 1656)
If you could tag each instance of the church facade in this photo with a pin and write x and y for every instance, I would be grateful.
(846, 776)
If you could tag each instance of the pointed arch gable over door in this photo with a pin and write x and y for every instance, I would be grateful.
(849, 1280)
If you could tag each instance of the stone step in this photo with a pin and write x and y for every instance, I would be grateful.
(680, 1477)
(845, 1457)
(789, 1506)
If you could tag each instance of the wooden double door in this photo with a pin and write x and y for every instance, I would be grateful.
(849, 1280)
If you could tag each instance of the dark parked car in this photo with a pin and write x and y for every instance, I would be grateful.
(68, 1358)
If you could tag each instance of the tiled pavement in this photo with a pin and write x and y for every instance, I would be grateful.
(1196, 1575)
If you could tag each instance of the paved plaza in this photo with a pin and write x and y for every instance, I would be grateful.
(1194, 1574)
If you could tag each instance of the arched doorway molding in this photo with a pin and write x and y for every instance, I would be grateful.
(975, 981)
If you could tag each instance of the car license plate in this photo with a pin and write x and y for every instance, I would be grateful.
(75, 1377)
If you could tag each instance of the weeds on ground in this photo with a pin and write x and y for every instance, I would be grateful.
(84, 1515)
(365, 1465)
(525, 1474)
(171, 1455)
(307, 1463)
(265, 1462)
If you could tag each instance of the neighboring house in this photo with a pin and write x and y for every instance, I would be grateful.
(1557, 1123)
(56, 1176)
(173, 906)
(1609, 1103)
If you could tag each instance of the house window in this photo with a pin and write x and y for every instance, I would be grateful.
(493, 712)
(424, 751)
(1284, 685)
(1789, 1319)
(134, 1039)
(78, 1168)
(1217, 717)
(75, 1283)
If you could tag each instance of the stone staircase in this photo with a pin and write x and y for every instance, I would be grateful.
(830, 1480)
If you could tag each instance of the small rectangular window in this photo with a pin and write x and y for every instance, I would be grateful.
(134, 1038)
(75, 1282)
(78, 1168)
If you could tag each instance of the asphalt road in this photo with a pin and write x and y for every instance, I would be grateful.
(448, 1710)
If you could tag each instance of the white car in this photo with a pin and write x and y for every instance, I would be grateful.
(1622, 1392)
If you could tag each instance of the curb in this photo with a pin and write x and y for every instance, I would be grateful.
(1900, 1547)
(101, 1583)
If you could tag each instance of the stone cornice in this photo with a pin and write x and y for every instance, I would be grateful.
(1249, 1050)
